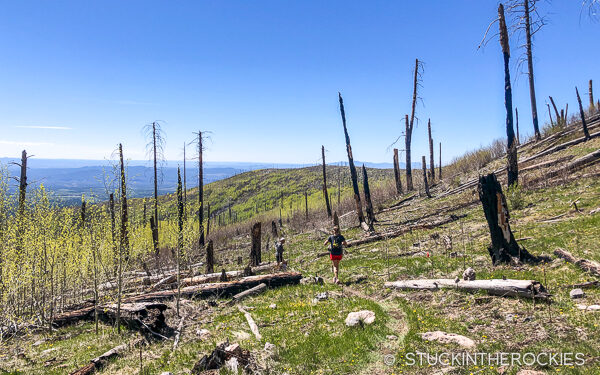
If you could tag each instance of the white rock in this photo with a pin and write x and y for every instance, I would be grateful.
(581, 306)
(446, 338)
(392, 337)
(48, 351)
(166, 373)
(577, 293)
(202, 333)
(272, 306)
(358, 317)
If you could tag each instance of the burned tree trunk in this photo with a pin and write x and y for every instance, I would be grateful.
(426, 185)
(123, 238)
(184, 186)
(180, 209)
(210, 257)
(353, 175)
(528, 45)
(306, 203)
(200, 193)
(512, 167)
(397, 172)
(591, 94)
(558, 116)
(255, 257)
(274, 229)
(440, 166)
(586, 133)
(431, 162)
(517, 123)
(113, 229)
(207, 219)
(21, 203)
(325, 183)
(368, 203)
(336, 219)
(504, 247)
(154, 230)
(550, 114)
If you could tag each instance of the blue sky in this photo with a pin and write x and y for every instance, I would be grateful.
(77, 77)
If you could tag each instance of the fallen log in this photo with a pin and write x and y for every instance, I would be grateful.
(100, 361)
(251, 323)
(576, 164)
(252, 291)
(586, 285)
(145, 317)
(586, 265)
(498, 287)
(399, 232)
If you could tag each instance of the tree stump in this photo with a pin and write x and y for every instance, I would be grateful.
(210, 257)
(504, 247)
(255, 253)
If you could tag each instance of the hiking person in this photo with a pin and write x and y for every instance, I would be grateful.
(279, 250)
(336, 243)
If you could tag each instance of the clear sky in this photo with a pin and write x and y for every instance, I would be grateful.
(78, 77)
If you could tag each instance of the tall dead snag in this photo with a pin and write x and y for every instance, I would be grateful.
(155, 147)
(426, 185)
(210, 257)
(586, 133)
(504, 247)
(306, 203)
(550, 114)
(179, 235)
(184, 185)
(325, 183)
(353, 175)
(208, 219)
(558, 116)
(200, 192)
(431, 162)
(397, 172)
(529, 53)
(440, 166)
(113, 229)
(591, 95)
(369, 205)
(512, 168)
(274, 229)
(124, 237)
(409, 127)
(517, 123)
(255, 250)
(21, 203)
(336, 219)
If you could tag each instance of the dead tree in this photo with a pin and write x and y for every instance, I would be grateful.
(336, 219)
(255, 256)
(586, 133)
(274, 229)
(591, 95)
(426, 185)
(397, 172)
(440, 166)
(517, 123)
(155, 146)
(504, 247)
(528, 45)
(409, 127)
(200, 192)
(184, 185)
(431, 163)
(180, 214)
(550, 114)
(512, 167)
(325, 183)
(113, 229)
(353, 175)
(124, 236)
(210, 257)
(558, 116)
(207, 219)
(306, 203)
(369, 205)
(21, 202)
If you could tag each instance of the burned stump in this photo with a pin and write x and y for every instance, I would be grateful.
(504, 247)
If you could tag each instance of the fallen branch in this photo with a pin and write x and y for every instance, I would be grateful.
(252, 291)
(584, 264)
(498, 287)
(588, 284)
(100, 361)
(251, 323)
(178, 332)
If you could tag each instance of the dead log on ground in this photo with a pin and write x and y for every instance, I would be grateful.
(100, 361)
(497, 287)
(252, 291)
(251, 323)
(586, 265)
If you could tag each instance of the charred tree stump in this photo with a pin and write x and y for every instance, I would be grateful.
(504, 247)
(582, 114)
(255, 257)
(336, 219)
(426, 185)
(210, 257)
(397, 172)
(369, 204)
(431, 161)
(353, 175)
(558, 116)
(325, 194)
(512, 167)
(274, 229)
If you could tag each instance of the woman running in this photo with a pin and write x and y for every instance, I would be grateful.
(336, 251)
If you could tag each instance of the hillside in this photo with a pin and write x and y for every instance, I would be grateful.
(309, 333)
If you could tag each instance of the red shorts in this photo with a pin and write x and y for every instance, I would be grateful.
(335, 257)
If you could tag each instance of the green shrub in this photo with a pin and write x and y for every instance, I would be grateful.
(515, 197)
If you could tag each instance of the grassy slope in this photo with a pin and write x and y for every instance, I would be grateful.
(312, 337)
